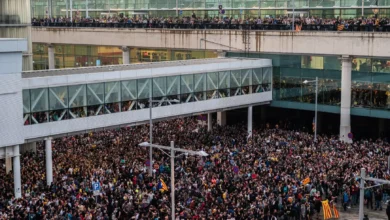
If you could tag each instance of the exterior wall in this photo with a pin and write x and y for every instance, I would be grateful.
(364, 44)
(11, 123)
(15, 23)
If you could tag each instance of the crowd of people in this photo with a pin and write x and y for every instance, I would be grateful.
(194, 22)
(260, 176)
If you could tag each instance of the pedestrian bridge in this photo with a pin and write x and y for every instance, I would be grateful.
(363, 44)
(58, 102)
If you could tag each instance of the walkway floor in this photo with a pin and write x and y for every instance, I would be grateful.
(353, 213)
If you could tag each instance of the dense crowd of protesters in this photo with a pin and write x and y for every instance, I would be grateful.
(244, 177)
(268, 23)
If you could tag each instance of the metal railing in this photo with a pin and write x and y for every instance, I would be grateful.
(271, 27)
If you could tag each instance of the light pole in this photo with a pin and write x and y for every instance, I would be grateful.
(151, 127)
(316, 106)
(364, 178)
(172, 149)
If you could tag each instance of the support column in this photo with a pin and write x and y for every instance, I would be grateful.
(8, 164)
(345, 110)
(126, 55)
(16, 169)
(250, 119)
(49, 161)
(221, 118)
(51, 57)
(209, 122)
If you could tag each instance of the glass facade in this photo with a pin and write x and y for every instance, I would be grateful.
(68, 102)
(235, 8)
(69, 56)
(370, 86)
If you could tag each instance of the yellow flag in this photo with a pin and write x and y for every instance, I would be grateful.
(326, 208)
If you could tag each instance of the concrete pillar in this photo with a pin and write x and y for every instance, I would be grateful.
(221, 118)
(51, 57)
(126, 55)
(250, 119)
(8, 164)
(345, 110)
(209, 122)
(16, 169)
(49, 161)
(28, 147)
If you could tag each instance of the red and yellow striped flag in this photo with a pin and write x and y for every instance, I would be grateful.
(163, 185)
(340, 27)
(326, 208)
(335, 212)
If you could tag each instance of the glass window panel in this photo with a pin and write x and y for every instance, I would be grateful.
(77, 96)
(361, 76)
(381, 65)
(112, 92)
(312, 62)
(267, 75)
(293, 72)
(200, 82)
(159, 86)
(58, 97)
(381, 95)
(212, 81)
(361, 94)
(143, 88)
(246, 77)
(361, 65)
(331, 88)
(39, 100)
(173, 85)
(26, 100)
(187, 84)
(235, 79)
(257, 76)
(224, 80)
(95, 94)
(129, 90)
(312, 73)
(290, 88)
(332, 63)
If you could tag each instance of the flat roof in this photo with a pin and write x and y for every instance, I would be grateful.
(137, 66)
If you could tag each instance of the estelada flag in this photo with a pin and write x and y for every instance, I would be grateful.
(326, 208)
(340, 27)
(306, 181)
(335, 212)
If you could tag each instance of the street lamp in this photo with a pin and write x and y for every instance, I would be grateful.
(151, 126)
(316, 106)
(172, 156)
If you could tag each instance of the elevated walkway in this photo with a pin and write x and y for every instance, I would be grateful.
(363, 44)
(61, 102)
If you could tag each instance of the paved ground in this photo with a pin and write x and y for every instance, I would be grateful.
(353, 214)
